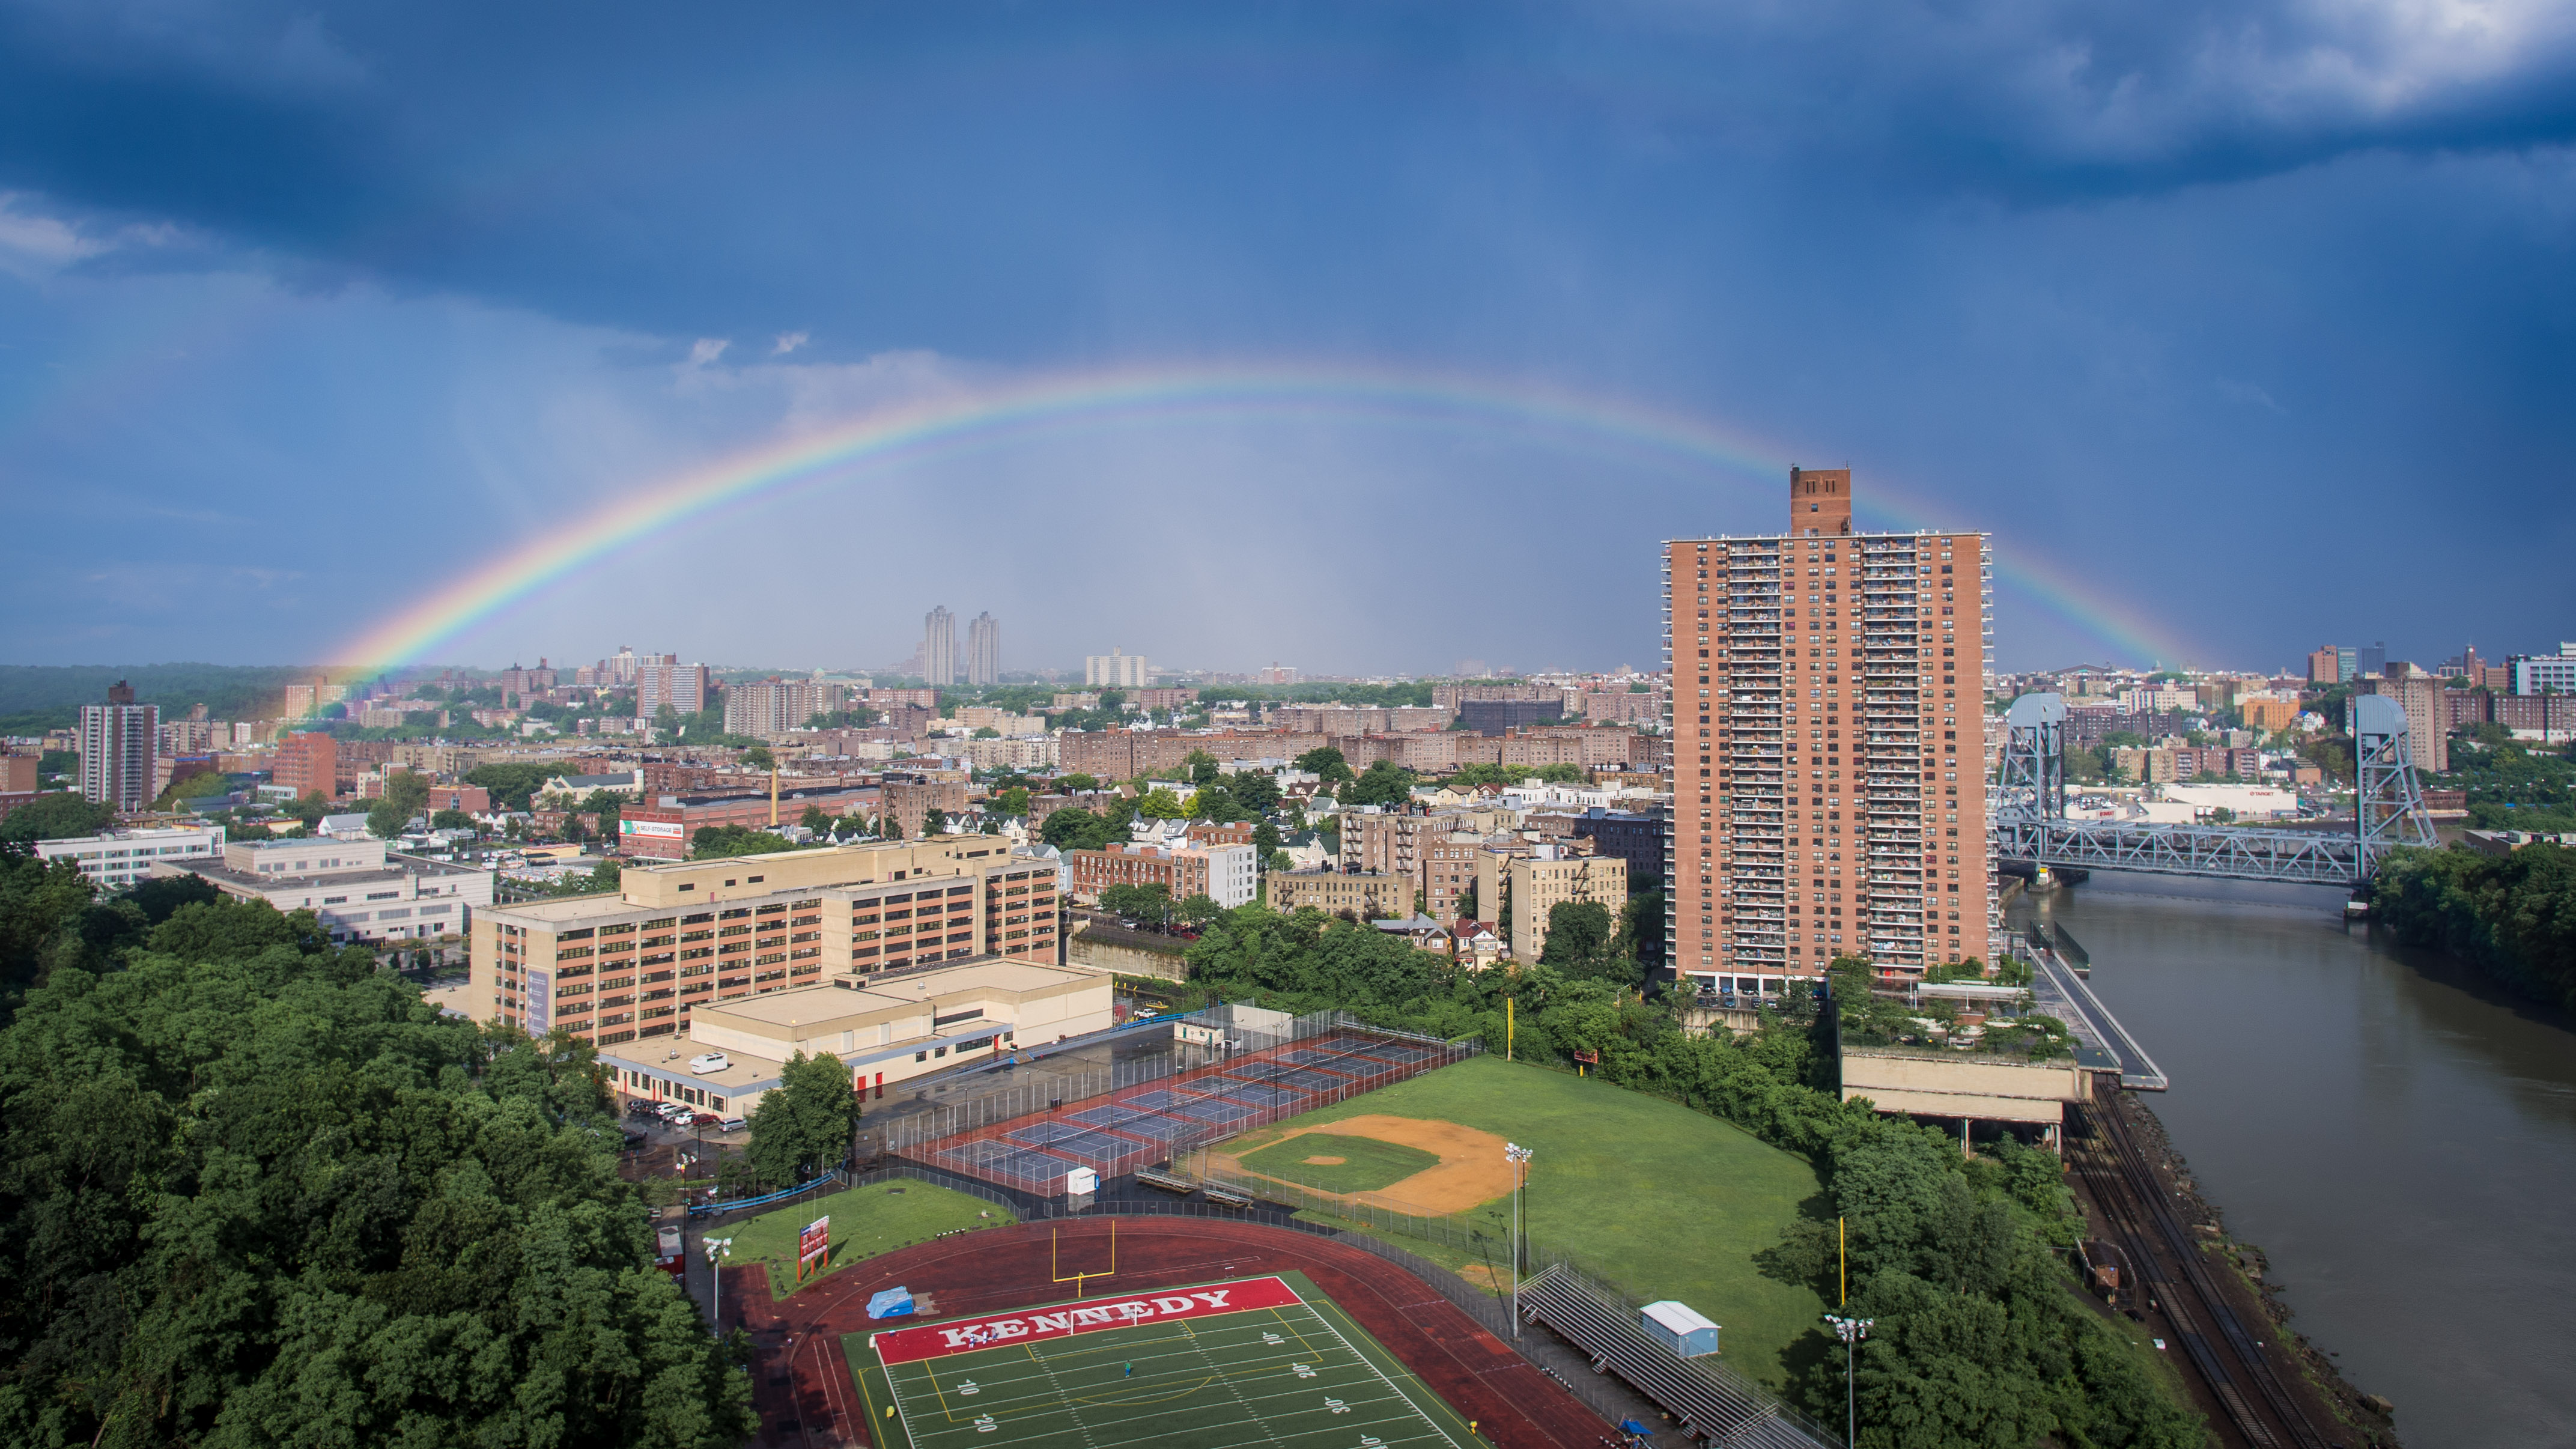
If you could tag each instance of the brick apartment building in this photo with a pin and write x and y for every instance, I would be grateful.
(662, 827)
(610, 969)
(1226, 874)
(1369, 897)
(1537, 882)
(909, 797)
(307, 764)
(1126, 754)
(1826, 685)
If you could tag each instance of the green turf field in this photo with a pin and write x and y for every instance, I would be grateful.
(866, 1221)
(1668, 1202)
(1301, 1374)
(1367, 1164)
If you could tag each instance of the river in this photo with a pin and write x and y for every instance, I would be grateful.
(2395, 1133)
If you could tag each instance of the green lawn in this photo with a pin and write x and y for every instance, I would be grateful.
(866, 1221)
(1666, 1201)
(1367, 1164)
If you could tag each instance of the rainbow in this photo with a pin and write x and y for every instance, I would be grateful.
(922, 429)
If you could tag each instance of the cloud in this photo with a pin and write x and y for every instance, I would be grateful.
(704, 351)
(788, 342)
(37, 240)
(2248, 394)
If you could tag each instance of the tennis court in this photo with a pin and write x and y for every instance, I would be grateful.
(1226, 1365)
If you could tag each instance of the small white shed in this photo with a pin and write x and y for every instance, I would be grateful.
(1679, 1327)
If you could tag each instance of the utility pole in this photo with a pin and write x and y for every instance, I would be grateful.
(1518, 1156)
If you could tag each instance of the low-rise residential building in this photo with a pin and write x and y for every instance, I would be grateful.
(1540, 881)
(357, 889)
(1228, 874)
(1367, 896)
(887, 1029)
(120, 858)
(618, 967)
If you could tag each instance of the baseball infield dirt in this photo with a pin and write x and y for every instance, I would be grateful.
(1471, 1169)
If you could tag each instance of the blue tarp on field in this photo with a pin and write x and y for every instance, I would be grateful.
(892, 1303)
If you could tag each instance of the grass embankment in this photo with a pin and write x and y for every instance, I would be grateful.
(1366, 1164)
(866, 1221)
(1667, 1201)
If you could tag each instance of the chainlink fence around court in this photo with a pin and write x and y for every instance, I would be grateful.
(1231, 1076)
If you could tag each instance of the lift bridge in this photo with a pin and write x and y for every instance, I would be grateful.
(2031, 827)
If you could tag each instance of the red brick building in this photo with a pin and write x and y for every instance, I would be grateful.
(307, 763)
(662, 829)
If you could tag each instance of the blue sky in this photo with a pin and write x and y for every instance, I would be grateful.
(2257, 321)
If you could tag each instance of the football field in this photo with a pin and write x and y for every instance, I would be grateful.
(1228, 1365)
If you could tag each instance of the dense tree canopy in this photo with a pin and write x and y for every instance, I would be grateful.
(1382, 783)
(256, 1192)
(55, 815)
(2511, 916)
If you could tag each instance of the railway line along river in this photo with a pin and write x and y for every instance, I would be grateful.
(2396, 1133)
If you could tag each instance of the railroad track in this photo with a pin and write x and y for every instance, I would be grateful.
(2162, 1251)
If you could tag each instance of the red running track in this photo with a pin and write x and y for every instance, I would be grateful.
(1515, 1406)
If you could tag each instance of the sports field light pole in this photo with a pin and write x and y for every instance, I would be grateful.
(717, 1250)
(1851, 1331)
(1518, 1156)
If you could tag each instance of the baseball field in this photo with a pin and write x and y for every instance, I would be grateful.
(1668, 1202)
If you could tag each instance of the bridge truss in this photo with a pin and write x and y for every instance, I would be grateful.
(2031, 824)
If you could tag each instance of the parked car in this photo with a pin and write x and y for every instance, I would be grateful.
(706, 1119)
(708, 1062)
(734, 1124)
(636, 1141)
(675, 1112)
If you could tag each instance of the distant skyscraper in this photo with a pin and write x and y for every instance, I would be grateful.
(939, 646)
(984, 650)
(1116, 669)
(119, 743)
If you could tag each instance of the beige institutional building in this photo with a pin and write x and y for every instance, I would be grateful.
(675, 937)
(1828, 786)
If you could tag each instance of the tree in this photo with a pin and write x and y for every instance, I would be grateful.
(1203, 767)
(666, 724)
(1257, 791)
(933, 822)
(451, 820)
(1383, 783)
(1326, 763)
(1265, 839)
(719, 842)
(1162, 804)
(1077, 783)
(1195, 911)
(759, 758)
(804, 1126)
(1011, 803)
(1641, 929)
(815, 820)
(420, 1221)
(513, 786)
(1149, 906)
(55, 815)
(406, 794)
(1578, 943)
(311, 809)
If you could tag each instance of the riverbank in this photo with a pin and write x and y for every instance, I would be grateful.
(2395, 1132)
(2331, 1398)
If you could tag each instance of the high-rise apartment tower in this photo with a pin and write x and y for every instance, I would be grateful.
(984, 650)
(1828, 791)
(939, 647)
(119, 743)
